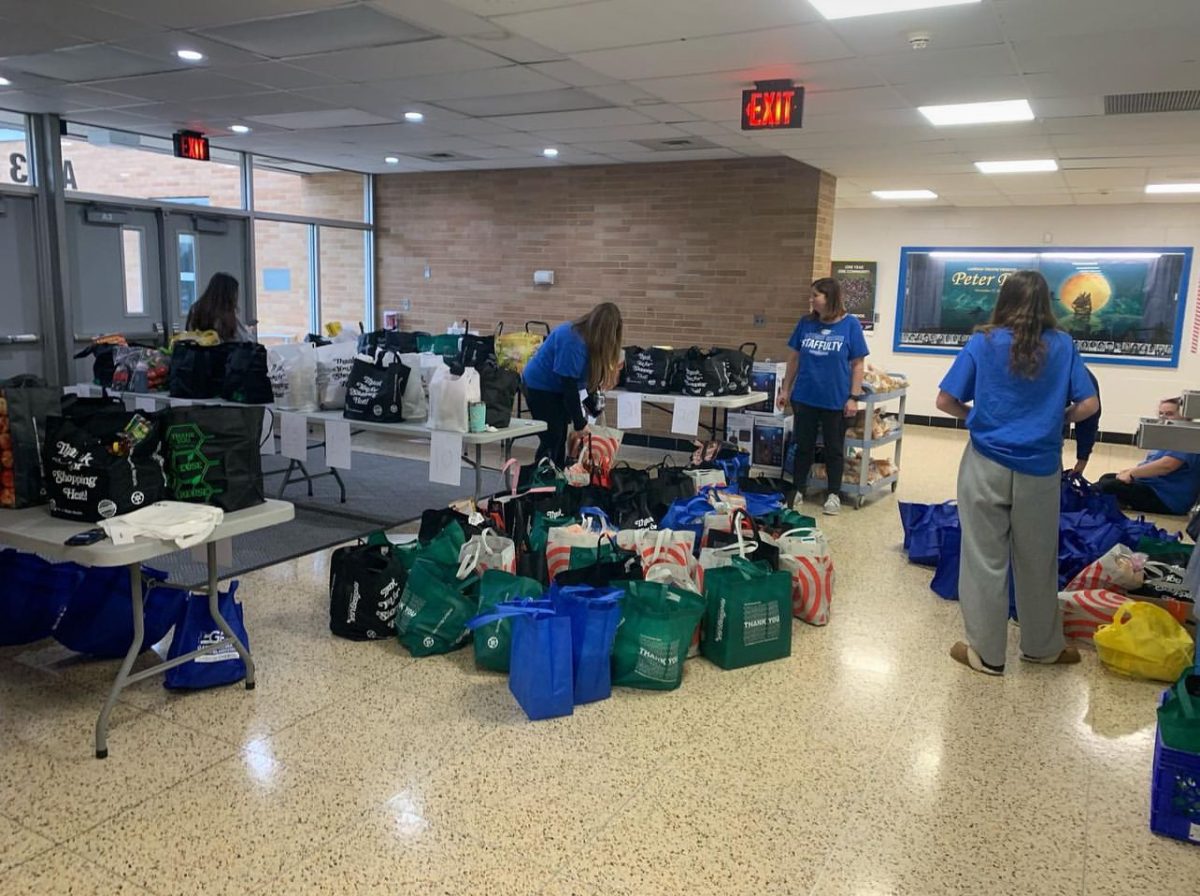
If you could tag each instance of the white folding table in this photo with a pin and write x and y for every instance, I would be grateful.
(34, 530)
(718, 403)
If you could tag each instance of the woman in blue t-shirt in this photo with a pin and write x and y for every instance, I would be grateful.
(1010, 383)
(824, 379)
(1165, 482)
(582, 355)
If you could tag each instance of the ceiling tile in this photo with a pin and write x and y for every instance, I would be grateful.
(276, 102)
(88, 63)
(931, 65)
(621, 23)
(74, 17)
(322, 118)
(1036, 19)
(667, 113)
(622, 132)
(571, 72)
(503, 7)
(867, 99)
(516, 49)
(162, 45)
(28, 38)
(75, 99)
(468, 84)
(210, 12)
(1052, 54)
(950, 27)
(179, 86)
(527, 103)
(760, 50)
(967, 88)
(428, 57)
(561, 120)
(436, 16)
(324, 31)
(1096, 78)
(1104, 178)
(277, 75)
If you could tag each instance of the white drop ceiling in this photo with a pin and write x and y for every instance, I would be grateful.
(327, 82)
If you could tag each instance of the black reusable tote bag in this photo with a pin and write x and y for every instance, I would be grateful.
(25, 404)
(375, 389)
(212, 455)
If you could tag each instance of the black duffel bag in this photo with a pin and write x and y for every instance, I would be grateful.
(651, 369)
(375, 389)
(246, 379)
(498, 390)
(91, 475)
(197, 371)
(366, 581)
(213, 455)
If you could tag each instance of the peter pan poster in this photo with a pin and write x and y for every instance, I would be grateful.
(1120, 305)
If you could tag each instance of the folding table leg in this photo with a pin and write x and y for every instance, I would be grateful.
(214, 608)
(139, 632)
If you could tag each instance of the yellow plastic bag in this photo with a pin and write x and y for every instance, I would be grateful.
(513, 350)
(1144, 641)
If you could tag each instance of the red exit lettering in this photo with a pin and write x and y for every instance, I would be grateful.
(770, 108)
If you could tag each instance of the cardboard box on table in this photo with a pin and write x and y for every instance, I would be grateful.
(766, 376)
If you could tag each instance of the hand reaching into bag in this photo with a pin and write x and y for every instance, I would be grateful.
(575, 441)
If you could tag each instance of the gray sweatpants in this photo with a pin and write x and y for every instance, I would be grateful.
(1008, 517)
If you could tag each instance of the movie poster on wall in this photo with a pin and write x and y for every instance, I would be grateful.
(858, 289)
(1122, 306)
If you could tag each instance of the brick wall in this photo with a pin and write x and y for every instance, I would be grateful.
(691, 251)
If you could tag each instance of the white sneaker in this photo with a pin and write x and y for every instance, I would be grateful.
(833, 505)
(798, 502)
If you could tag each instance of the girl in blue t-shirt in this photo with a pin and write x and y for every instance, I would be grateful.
(581, 355)
(1165, 482)
(1011, 382)
(823, 381)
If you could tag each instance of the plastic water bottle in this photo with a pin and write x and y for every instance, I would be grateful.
(141, 378)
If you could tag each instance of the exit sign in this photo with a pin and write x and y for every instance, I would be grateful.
(772, 105)
(191, 145)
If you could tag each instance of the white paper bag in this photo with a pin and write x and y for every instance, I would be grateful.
(333, 368)
(449, 397)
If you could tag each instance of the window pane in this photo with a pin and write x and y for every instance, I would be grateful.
(343, 277)
(133, 253)
(294, 188)
(116, 163)
(14, 151)
(187, 273)
(281, 258)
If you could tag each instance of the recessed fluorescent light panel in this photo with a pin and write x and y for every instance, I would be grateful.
(550, 152)
(1017, 166)
(414, 116)
(848, 9)
(904, 194)
(1173, 188)
(190, 55)
(239, 129)
(978, 113)
(391, 160)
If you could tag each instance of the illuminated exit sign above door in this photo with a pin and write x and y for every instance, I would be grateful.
(191, 145)
(772, 105)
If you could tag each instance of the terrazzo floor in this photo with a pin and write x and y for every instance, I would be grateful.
(867, 764)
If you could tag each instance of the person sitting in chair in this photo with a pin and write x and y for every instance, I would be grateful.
(1165, 482)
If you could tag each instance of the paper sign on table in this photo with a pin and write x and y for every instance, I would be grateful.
(266, 441)
(337, 444)
(293, 430)
(145, 404)
(445, 457)
(629, 410)
(685, 420)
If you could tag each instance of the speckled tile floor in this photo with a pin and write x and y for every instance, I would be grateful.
(866, 764)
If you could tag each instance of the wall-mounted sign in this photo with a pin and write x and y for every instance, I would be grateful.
(857, 279)
(772, 105)
(191, 145)
(18, 171)
(1122, 305)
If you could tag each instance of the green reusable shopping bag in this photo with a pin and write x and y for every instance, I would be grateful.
(652, 640)
(445, 547)
(749, 616)
(1174, 553)
(785, 519)
(493, 642)
(434, 609)
(1179, 714)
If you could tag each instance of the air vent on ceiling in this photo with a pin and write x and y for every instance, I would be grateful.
(1159, 101)
(444, 157)
(676, 144)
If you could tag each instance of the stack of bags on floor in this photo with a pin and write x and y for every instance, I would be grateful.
(572, 588)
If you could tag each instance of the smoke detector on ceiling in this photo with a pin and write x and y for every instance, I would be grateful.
(919, 40)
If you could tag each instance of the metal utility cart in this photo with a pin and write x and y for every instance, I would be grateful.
(864, 489)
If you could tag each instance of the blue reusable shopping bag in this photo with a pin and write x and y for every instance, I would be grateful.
(945, 577)
(921, 523)
(1080, 495)
(196, 628)
(595, 614)
(540, 672)
(34, 594)
(687, 515)
(97, 620)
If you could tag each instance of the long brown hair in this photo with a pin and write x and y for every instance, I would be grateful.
(602, 331)
(217, 308)
(1023, 306)
(832, 291)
